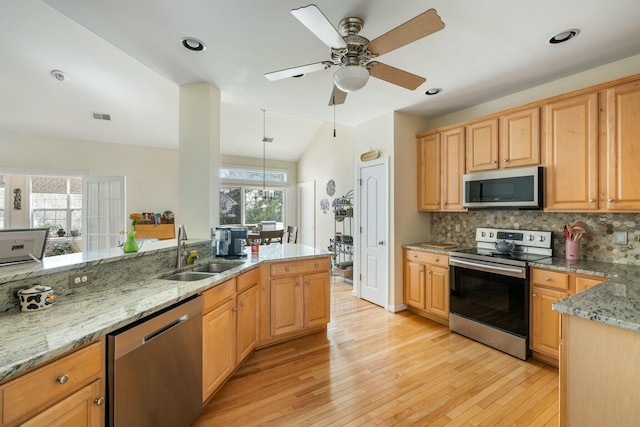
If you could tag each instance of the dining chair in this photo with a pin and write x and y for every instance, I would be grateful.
(271, 236)
(292, 234)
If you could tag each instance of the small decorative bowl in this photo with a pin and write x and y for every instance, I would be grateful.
(36, 298)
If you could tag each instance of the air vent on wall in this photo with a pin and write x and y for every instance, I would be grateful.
(101, 116)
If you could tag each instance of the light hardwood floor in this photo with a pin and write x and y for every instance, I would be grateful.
(373, 367)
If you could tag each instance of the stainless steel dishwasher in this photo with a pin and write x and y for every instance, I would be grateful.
(154, 369)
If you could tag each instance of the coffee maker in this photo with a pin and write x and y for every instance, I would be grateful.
(229, 242)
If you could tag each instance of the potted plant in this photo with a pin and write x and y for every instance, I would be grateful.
(75, 233)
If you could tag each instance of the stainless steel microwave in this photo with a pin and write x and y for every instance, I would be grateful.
(510, 188)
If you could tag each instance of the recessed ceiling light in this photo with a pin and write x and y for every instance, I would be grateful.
(192, 44)
(433, 91)
(59, 75)
(563, 36)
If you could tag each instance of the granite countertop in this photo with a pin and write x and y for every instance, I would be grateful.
(614, 302)
(42, 335)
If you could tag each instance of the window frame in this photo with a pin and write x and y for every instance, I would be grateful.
(69, 209)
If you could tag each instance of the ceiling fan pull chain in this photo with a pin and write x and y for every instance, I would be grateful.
(334, 116)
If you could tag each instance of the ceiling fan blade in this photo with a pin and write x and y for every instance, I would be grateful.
(421, 26)
(396, 76)
(312, 18)
(295, 71)
(337, 96)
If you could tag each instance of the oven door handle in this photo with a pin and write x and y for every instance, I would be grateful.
(489, 268)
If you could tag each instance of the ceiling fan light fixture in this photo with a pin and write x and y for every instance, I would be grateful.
(351, 78)
(563, 36)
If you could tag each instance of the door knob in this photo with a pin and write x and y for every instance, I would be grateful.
(381, 242)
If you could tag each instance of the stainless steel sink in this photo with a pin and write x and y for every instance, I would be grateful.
(188, 276)
(216, 267)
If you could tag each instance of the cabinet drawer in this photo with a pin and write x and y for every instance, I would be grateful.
(248, 279)
(217, 295)
(428, 258)
(550, 279)
(51, 383)
(299, 267)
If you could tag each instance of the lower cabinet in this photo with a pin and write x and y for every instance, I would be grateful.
(66, 392)
(548, 287)
(426, 284)
(299, 298)
(229, 328)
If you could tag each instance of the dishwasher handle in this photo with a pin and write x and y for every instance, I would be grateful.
(135, 336)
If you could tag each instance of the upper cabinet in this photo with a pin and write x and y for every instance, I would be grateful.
(621, 139)
(440, 169)
(512, 140)
(570, 141)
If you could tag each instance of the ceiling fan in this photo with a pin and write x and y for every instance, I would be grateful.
(354, 54)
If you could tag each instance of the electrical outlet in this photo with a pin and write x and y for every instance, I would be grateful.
(13, 292)
(80, 279)
(457, 228)
(620, 237)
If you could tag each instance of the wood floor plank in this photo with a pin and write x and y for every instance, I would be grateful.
(373, 367)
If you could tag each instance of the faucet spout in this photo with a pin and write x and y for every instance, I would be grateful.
(182, 236)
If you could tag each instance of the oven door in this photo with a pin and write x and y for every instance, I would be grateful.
(496, 295)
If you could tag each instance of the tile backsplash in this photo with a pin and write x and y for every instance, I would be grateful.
(596, 245)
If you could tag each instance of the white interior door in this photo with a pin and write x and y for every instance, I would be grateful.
(306, 213)
(104, 215)
(373, 222)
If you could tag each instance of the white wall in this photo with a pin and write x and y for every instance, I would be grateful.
(290, 189)
(151, 173)
(328, 158)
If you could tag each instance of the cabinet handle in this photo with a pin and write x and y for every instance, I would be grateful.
(506, 160)
(99, 401)
(421, 271)
(548, 279)
(494, 162)
(592, 200)
(242, 304)
(444, 203)
(612, 200)
(297, 283)
(437, 203)
(437, 260)
(234, 309)
(381, 242)
(62, 379)
(287, 269)
(430, 272)
(534, 295)
(415, 256)
(316, 265)
(306, 282)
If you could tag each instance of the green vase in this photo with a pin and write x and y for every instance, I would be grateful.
(130, 245)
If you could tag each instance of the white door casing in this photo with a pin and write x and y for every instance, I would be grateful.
(306, 213)
(104, 217)
(373, 220)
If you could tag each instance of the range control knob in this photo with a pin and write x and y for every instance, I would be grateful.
(491, 234)
(531, 237)
(541, 238)
(483, 234)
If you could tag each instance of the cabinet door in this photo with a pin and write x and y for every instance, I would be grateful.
(584, 283)
(429, 173)
(286, 305)
(437, 300)
(621, 171)
(84, 408)
(414, 287)
(317, 310)
(452, 169)
(482, 146)
(545, 323)
(570, 140)
(247, 334)
(520, 138)
(218, 346)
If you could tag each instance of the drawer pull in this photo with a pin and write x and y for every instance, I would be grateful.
(534, 295)
(316, 265)
(437, 260)
(287, 269)
(99, 401)
(548, 279)
(306, 282)
(62, 379)
(234, 309)
(242, 304)
(297, 283)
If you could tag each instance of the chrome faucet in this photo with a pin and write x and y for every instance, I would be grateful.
(182, 237)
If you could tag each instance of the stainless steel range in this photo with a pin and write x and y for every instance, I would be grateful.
(490, 287)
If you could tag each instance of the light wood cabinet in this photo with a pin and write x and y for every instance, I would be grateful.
(440, 168)
(229, 328)
(619, 171)
(570, 141)
(548, 287)
(66, 391)
(158, 231)
(426, 284)
(510, 141)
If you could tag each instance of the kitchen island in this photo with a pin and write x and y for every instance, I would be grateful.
(85, 314)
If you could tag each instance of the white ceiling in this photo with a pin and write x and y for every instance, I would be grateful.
(124, 58)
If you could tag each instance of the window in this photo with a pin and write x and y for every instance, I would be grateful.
(242, 203)
(56, 202)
